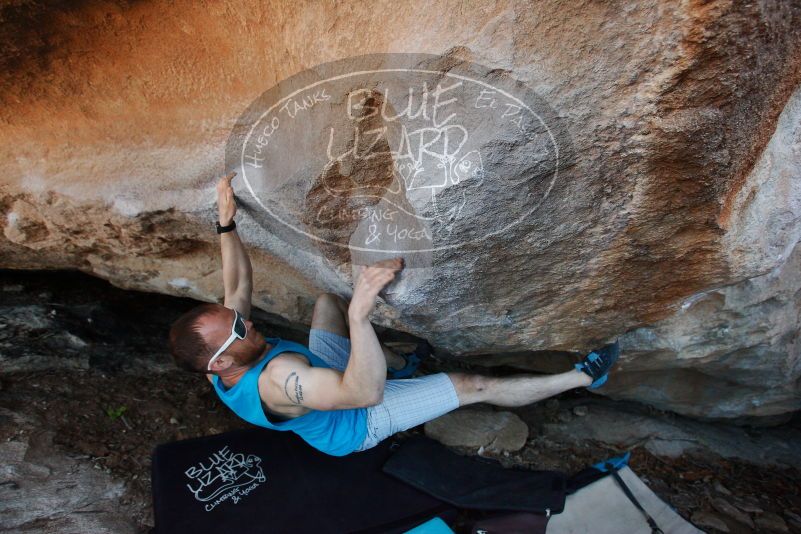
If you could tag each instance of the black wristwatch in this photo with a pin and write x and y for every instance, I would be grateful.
(222, 229)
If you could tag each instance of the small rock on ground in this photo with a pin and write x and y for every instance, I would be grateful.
(709, 520)
(771, 522)
(720, 488)
(726, 508)
(794, 519)
(581, 411)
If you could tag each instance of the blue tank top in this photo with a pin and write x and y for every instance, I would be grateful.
(335, 432)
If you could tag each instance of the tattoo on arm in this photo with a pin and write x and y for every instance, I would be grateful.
(293, 388)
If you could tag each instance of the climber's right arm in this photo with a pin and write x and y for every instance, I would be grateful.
(367, 366)
(237, 270)
(289, 382)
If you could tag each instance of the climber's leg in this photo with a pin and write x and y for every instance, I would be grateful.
(331, 314)
(329, 337)
(517, 390)
(409, 402)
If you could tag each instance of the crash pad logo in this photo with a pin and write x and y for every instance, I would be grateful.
(224, 476)
(395, 154)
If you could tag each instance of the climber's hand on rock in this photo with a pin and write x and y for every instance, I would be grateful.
(370, 281)
(226, 204)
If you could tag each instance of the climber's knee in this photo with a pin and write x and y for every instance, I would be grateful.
(331, 314)
(470, 388)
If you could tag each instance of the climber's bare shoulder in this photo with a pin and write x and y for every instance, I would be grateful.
(290, 385)
(270, 388)
(279, 386)
(295, 357)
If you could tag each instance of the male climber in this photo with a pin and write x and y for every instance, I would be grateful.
(335, 393)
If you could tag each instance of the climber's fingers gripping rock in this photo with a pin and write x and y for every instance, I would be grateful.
(370, 281)
(226, 204)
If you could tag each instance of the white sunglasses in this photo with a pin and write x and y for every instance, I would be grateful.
(238, 331)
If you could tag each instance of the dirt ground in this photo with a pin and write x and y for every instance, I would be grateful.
(111, 395)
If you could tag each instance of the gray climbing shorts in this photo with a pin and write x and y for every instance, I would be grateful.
(408, 402)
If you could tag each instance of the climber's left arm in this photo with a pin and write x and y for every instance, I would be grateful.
(237, 271)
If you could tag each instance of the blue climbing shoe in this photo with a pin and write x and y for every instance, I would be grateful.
(598, 362)
(413, 359)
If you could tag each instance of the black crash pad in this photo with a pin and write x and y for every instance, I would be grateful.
(259, 480)
(475, 483)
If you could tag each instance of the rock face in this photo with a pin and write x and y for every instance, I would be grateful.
(674, 222)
